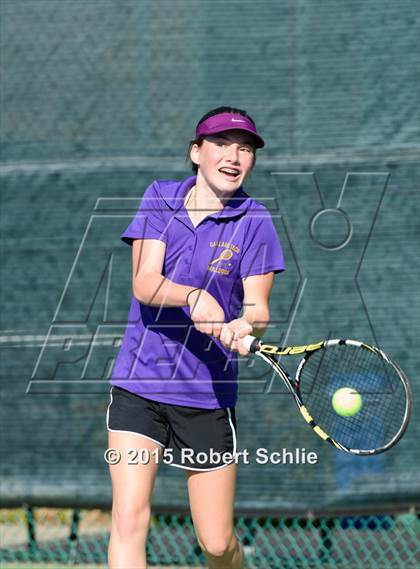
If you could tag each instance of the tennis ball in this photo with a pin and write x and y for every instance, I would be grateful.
(346, 402)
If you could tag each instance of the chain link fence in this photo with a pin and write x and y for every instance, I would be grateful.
(41, 536)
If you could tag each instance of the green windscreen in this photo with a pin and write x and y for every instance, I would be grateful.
(100, 98)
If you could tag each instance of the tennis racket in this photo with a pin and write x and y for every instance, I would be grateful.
(328, 366)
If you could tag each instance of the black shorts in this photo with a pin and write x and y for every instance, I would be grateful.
(194, 439)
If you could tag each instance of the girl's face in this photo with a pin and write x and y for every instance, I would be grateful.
(224, 160)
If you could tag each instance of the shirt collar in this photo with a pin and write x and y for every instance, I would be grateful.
(236, 206)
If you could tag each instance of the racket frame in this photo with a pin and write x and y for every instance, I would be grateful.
(270, 354)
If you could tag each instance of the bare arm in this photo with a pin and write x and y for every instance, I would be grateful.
(256, 313)
(152, 288)
(257, 290)
(149, 285)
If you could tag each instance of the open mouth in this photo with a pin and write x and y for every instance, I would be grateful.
(230, 173)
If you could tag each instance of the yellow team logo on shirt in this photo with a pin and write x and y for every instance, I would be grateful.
(222, 262)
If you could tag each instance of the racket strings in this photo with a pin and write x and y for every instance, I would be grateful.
(384, 401)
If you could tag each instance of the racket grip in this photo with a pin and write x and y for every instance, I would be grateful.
(251, 343)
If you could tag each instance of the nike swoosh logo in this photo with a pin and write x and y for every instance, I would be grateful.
(237, 120)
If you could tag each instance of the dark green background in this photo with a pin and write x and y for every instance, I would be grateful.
(101, 97)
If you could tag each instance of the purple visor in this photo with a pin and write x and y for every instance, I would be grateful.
(228, 121)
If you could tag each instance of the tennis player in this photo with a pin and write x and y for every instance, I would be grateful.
(204, 256)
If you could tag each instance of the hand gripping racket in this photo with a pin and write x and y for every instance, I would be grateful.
(331, 365)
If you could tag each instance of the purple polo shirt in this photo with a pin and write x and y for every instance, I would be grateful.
(163, 357)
